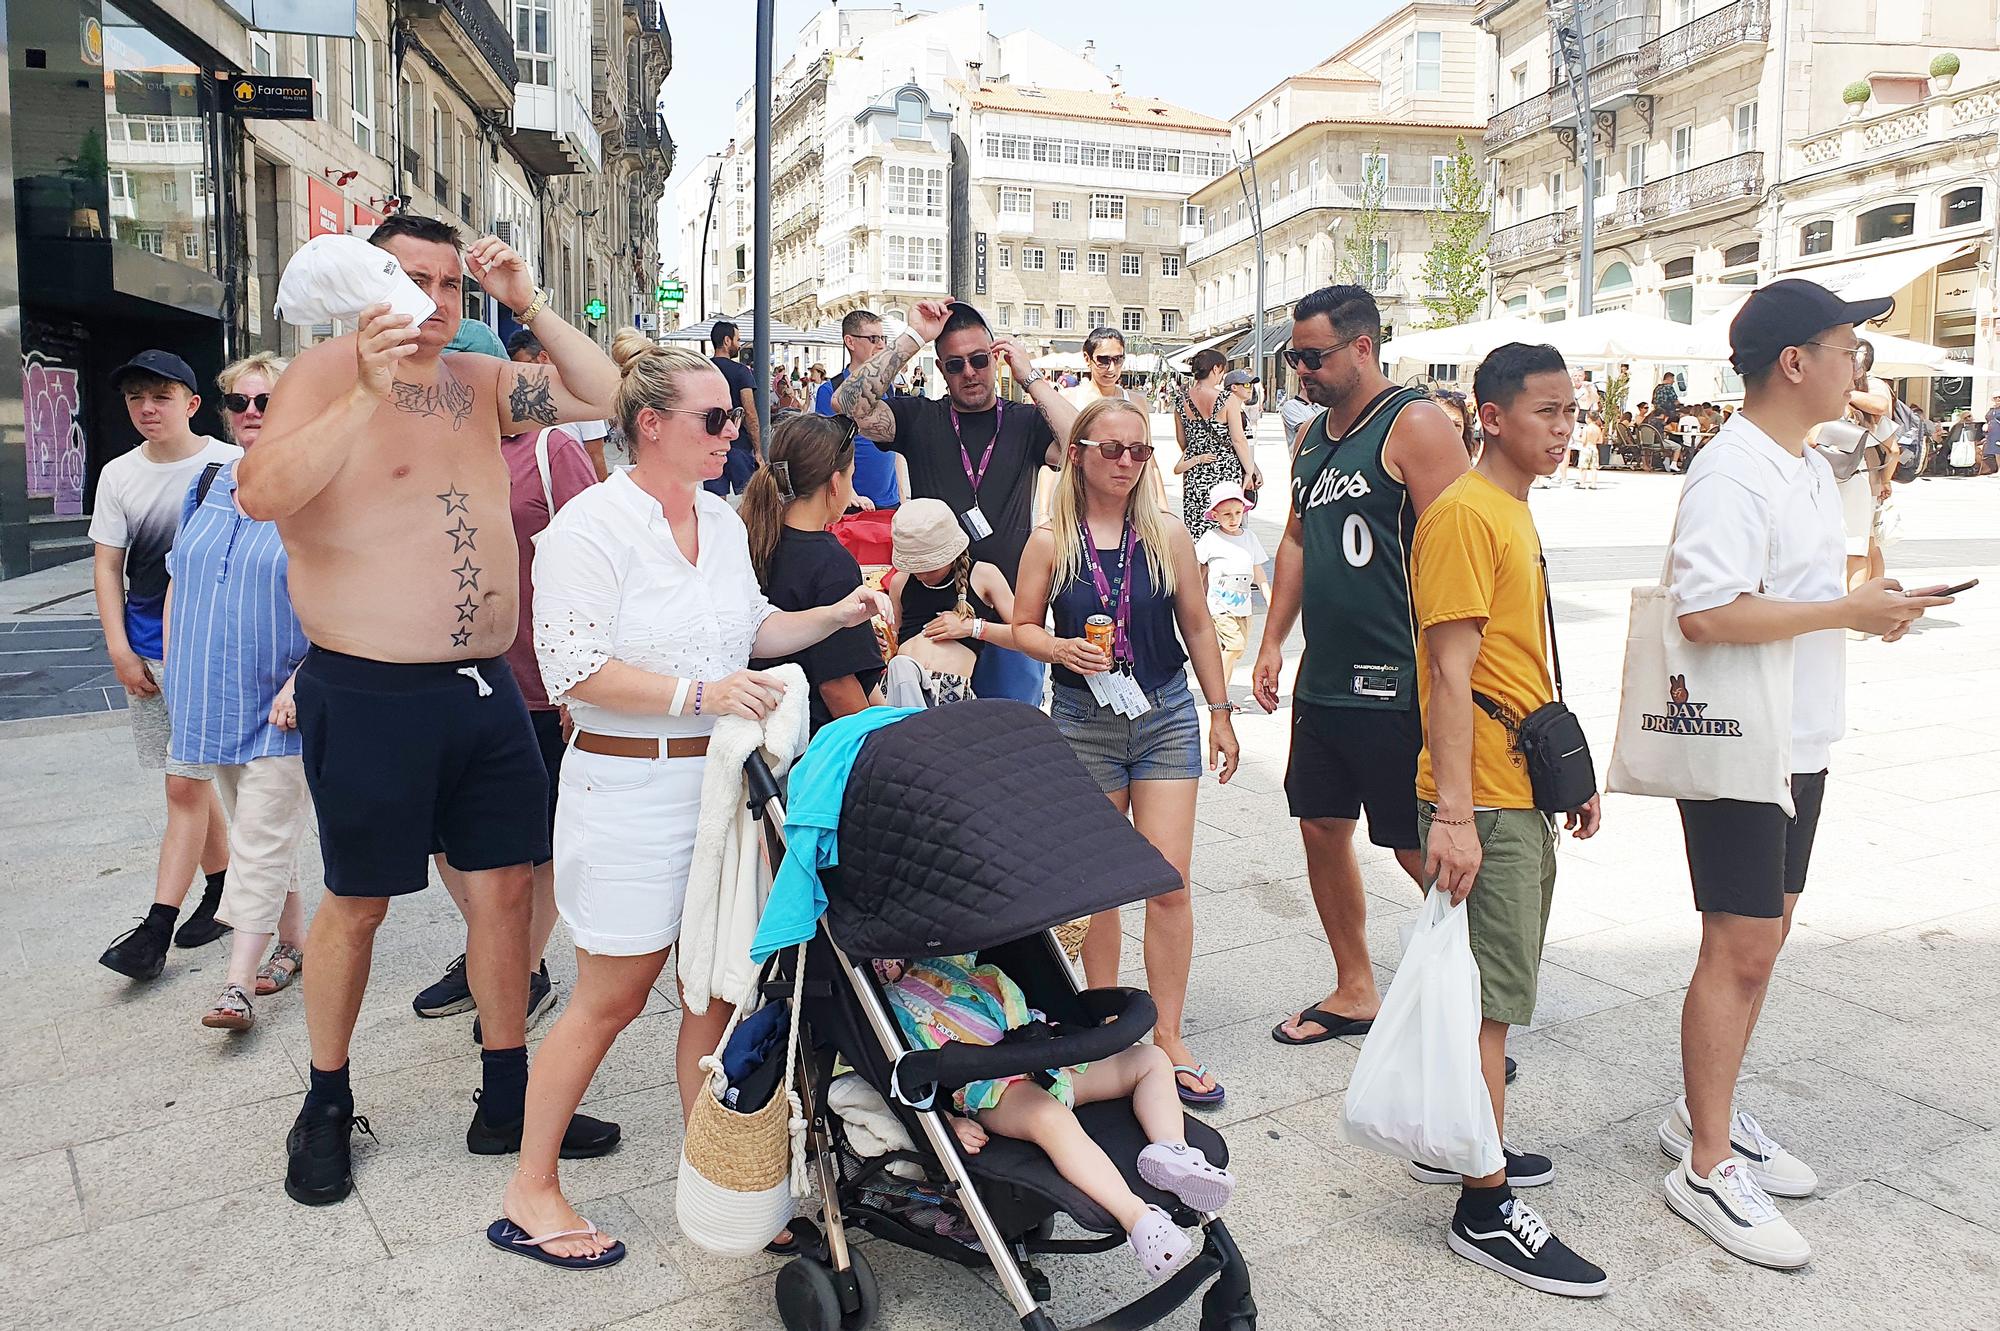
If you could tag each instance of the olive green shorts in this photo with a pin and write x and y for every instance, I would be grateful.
(1508, 911)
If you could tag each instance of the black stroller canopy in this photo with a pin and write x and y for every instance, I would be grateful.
(968, 826)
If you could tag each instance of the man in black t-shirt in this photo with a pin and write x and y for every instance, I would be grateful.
(743, 451)
(970, 449)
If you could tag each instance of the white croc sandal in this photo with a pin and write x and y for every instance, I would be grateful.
(1186, 1173)
(1161, 1246)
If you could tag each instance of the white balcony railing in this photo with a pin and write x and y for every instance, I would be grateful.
(1107, 228)
(1322, 194)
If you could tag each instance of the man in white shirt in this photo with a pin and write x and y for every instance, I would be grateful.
(1757, 558)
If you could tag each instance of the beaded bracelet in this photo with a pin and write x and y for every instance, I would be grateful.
(1451, 822)
(697, 697)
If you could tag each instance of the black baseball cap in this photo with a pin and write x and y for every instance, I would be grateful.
(962, 314)
(160, 364)
(1790, 313)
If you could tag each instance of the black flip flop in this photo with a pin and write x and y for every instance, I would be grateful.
(805, 1236)
(1332, 1025)
(507, 1236)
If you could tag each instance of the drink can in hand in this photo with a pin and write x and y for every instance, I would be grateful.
(1100, 632)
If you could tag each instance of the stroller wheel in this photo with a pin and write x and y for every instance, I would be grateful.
(807, 1297)
(869, 1293)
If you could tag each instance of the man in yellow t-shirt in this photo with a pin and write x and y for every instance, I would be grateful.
(1478, 586)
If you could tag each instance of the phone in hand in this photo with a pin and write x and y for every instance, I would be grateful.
(1965, 586)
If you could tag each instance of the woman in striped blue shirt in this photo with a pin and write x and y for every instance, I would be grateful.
(233, 644)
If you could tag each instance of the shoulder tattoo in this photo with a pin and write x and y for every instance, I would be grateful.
(530, 399)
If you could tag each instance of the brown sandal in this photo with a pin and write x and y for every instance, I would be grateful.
(280, 969)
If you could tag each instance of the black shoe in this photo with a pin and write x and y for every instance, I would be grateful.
(586, 1138)
(140, 954)
(1524, 1170)
(201, 928)
(320, 1165)
(449, 996)
(541, 998)
(1512, 1068)
(1518, 1244)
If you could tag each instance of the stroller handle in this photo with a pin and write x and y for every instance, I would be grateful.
(1120, 1018)
(762, 785)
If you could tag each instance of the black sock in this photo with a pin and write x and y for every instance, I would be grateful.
(1483, 1202)
(503, 1097)
(215, 882)
(161, 916)
(329, 1088)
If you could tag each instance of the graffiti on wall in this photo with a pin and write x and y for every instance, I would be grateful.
(52, 396)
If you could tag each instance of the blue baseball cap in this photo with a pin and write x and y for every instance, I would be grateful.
(160, 364)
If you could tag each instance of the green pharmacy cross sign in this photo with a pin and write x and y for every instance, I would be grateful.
(670, 293)
(594, 310)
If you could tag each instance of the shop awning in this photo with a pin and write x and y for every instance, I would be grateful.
(1177, 361)
(1879, 274)
(1277, 332)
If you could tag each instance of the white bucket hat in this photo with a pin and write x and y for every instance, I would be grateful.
(1223, 491)
(925, 535)
(337, 277)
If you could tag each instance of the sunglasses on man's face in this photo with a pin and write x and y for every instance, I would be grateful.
(1108, 361)
(978, 360)
(1309, 358)
(1111, 451)
(714, 418)
(239, 403)
(879, 339)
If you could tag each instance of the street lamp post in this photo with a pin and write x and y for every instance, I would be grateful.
(1576, 60)
(1248, 164)
(761, 316)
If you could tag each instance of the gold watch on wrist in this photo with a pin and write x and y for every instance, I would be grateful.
(535, 307)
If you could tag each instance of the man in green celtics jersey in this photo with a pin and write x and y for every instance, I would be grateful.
(1362, 473)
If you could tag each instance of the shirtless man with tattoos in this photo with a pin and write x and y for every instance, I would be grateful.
(380, 461)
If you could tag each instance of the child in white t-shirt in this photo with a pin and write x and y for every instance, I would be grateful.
(1233, 560)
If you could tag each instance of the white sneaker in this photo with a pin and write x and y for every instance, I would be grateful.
(1730, 1208)
(1776, 1170)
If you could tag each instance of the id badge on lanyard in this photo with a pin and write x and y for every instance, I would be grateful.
(974, 519)
(1116, 688)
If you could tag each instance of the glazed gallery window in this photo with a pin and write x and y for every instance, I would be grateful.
(534, 41)
(1107, 207)
(1105, 156)
(916, 191)
(914, 260)
(156, 138)
(1016, 202)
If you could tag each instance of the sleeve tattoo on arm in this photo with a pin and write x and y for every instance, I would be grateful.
(530, 398)
(862, 391)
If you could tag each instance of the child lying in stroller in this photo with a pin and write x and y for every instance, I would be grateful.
(942, 999)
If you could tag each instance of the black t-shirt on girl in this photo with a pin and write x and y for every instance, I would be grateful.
(811, 569)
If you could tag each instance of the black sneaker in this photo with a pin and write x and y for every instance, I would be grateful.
(1518, 1244)
(140, 954)
(585, 1139)
(319, 1169)
(1525, 1169)
(450, 996)
(541, 999)
(201, 928)
(1512, 1068)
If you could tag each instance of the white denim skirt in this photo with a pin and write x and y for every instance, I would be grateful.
(624, 836)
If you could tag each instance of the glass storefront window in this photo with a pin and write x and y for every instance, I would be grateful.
(157, 147)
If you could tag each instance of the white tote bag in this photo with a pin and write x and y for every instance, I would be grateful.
(1416, 1092)
(1700, 721)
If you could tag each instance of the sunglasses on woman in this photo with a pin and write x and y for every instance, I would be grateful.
(714, 418)
(239, 403)
(1309, 358)
(1108, 361)
(978, 360)
(1111, 451)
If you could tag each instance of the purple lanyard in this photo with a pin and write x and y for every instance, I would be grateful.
(1121, 614)
(973, 478)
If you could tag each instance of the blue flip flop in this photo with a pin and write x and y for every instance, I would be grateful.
(507, 1236)
(1208, 1099)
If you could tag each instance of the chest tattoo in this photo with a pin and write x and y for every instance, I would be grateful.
(531, 399)
(449, 396)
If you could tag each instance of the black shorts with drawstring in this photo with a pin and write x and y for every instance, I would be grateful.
(405, 760)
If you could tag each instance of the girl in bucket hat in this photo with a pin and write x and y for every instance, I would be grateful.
(948, 605)
(1232, 561)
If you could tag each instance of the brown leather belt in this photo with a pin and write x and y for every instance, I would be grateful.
(629, 746)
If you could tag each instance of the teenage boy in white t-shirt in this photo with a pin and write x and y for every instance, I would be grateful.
(138, 509)
(1758, 558)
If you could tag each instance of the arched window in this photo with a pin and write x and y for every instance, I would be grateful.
(910, 115)
(1961, 207)
(1617, 277)
(1816, 237)
(1889, 222)
(1555, 303)
(1517, 304)
(1738, 255)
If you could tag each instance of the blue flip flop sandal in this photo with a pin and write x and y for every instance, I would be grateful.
(1208, 1099)
(507, 1236)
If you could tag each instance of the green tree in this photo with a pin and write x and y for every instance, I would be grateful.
(1368, 230)
(1455, 268)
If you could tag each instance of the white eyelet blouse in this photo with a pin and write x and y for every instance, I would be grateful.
(611, 584)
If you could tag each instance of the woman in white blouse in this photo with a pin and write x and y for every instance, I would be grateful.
(647, 612)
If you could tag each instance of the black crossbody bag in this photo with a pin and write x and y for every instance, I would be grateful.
(1550, 738)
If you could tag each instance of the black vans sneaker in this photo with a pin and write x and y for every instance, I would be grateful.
(1518, 1244)
(1525, 1169)
(140, 954)
(586, 1138)
(319, 1170)
(451, 995)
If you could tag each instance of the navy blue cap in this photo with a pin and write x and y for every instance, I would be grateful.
(162, 364)
(1790, 313)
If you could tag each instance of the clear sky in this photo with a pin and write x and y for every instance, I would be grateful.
(1185, 51)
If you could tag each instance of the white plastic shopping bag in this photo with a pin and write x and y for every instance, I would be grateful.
(1416, 1092)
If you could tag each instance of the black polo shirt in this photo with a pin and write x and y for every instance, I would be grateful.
(1006, 495)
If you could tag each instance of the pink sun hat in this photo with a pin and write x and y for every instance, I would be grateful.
(1223, 491)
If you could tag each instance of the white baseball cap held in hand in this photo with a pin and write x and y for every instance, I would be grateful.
(337, 277)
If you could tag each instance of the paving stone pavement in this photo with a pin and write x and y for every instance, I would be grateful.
(141, 1155)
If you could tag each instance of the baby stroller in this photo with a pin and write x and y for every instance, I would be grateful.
(974, 828)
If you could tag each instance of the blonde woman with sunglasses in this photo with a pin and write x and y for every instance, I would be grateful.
(1111, 548)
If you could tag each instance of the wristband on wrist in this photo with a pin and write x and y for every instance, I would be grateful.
(978, 628)
(680, 697)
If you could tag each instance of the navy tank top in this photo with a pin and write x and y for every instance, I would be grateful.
(1156, 642)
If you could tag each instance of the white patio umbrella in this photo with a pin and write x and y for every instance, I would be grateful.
(1907, 358)
(1623, 335)
(1462, 344)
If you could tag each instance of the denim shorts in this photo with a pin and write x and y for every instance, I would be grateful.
(1162, 745)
